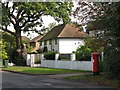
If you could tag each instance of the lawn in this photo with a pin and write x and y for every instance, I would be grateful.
(33, 70)
(101, 79)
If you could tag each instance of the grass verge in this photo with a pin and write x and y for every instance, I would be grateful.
(33, 70)
(101, 79)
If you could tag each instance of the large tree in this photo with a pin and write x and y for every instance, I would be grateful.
(26, 16)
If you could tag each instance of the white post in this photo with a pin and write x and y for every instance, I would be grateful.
(102, 56)
(73, 57)
(42, 57)
(32, 60)
(92, 58)
(28, 59)
(56, 56)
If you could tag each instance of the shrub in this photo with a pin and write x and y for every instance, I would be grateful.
(50, 55)
(20, 62)
(112, 63)
(83, 53)
(39, 51)
(29, 49)
(101, 66)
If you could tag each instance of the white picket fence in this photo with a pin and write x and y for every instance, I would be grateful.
(31, 60)
(72, 64)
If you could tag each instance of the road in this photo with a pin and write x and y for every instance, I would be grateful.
(14, 80)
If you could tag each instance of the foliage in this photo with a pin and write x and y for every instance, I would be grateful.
(110, 18)
(39, 51)
(26, 16)
(50, 55)
(8, 45)
(29, 49)
(20, 62)
(83, 53)
(91, 45)
(3, 51)
(112, 63)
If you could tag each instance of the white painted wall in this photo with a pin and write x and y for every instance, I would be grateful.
(73, 65)
(69, 45)
(64, 45)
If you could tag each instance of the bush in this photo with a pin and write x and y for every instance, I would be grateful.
(83, 53)
(39, 51)
(112, 63)
(101, 66)
(29, 49)
(50, 55)
(20, 62)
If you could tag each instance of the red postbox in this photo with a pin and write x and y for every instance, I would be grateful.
(95, 63)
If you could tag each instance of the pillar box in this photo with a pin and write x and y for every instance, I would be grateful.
(95, 63)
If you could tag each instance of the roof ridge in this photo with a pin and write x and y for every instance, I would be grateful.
(63, 30)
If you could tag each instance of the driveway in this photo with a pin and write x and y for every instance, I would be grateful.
(14, 80)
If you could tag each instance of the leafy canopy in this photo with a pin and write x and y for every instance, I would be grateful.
(28, 15)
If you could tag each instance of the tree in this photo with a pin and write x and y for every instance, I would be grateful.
(8, 46)
(44, 30)
(26, 16)
(85, 11)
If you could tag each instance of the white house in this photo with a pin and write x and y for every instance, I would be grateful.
(63, 38)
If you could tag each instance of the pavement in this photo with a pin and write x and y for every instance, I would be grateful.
(21, 81)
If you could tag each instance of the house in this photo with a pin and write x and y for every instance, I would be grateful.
(26, 40)
(63, 39)
(35, 44)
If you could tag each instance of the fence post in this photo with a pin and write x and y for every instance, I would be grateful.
(28, 60)
(32, 60)
(42, 57)
(102, 56)
(73, 57)
(56, 56)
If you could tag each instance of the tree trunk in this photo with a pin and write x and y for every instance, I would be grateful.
(19, 45)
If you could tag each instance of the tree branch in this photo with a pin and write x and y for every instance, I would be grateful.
(5, 29)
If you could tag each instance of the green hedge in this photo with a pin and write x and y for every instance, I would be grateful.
(49, 55)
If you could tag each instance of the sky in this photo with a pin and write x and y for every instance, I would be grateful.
(47, 20)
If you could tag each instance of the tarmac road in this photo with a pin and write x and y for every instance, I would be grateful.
(15, 80)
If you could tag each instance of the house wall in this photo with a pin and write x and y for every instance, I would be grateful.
(69, 45)
(52, 46)
(64, 46)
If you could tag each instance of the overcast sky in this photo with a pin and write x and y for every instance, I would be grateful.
(47, 20)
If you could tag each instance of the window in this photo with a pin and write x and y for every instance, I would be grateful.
(55, 41)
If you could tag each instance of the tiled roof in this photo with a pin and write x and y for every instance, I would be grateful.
(36, 38)
(65, 31)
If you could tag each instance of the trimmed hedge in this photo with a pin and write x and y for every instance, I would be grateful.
(49, 55)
